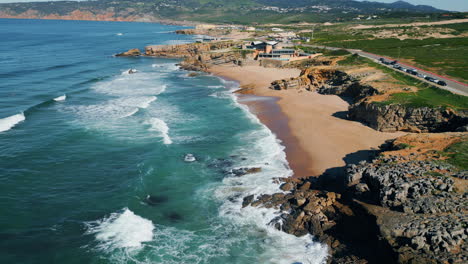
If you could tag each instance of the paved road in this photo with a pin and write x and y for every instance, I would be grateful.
(452, 85)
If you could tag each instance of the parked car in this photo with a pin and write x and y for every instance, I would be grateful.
(394, 62)
(413, 72)
(429, 79)
(442, 83)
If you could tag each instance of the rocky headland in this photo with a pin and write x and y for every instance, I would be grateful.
(403, 203)
(404, 206)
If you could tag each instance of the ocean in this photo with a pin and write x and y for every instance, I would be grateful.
(92, 163)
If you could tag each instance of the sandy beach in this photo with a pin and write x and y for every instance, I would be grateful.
(310, 125)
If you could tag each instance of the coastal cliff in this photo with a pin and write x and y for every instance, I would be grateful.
(199, 56)
(187, 50)
(405, 206)
(392, 208)
(367, 107)
(390, 118)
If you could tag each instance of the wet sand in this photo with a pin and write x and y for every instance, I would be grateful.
(312, 126)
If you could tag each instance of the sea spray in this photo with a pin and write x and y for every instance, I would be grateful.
(122, 229)
(267, 153)
(60, 98)
(9, 122)
(161, 127)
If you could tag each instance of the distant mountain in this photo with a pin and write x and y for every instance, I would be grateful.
(402, 5)
(230, 11)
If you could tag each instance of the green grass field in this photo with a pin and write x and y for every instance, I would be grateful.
(458, 154)
(426, 96)
(430, 97)
(446, 56)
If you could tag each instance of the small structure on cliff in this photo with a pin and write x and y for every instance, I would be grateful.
(274, 50)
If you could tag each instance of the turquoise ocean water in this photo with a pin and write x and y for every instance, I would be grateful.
(83, 144)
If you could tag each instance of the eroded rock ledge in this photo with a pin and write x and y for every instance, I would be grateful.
(367, 109)
(400, 208)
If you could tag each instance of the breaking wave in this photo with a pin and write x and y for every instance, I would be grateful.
(161, 127)
(267, 153)
(121, 230)
(9, 122)
(60, 98)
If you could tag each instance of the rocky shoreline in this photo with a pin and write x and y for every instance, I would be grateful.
(405, 205)
(393, 209)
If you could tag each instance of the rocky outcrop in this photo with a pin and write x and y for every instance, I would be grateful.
(189, 31)
(327, 81)
(201, 61)
(399, 208)
(198, 56)
(324, 214)
(421, 213)
(129, 53)
(379, 116)
(186, 50)
(390, 118)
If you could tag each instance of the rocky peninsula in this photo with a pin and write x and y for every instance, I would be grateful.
(371, 183)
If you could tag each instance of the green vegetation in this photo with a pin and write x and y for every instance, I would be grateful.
(426, 96)
(238, 11)
(404, 146)
(448, 56)
(429, 97)
(458, 154)
(434, 174)
(326, 52)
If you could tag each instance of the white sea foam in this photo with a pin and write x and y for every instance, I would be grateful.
(105, 111)
(215, 86)
(143, 83)
(8, 122)
(268, 153)
(114, 109)
(166, 66)
(121, 230)
(161, 127)
(222, 94)
(135, 101)
(131, 113)
(60, 98)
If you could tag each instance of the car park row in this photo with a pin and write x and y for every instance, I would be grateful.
(411, 71)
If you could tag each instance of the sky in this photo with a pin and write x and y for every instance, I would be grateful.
(453, 5)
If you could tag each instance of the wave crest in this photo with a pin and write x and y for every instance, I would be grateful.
(9, 122)
(121, 230)
(60, 98)
(161, 127)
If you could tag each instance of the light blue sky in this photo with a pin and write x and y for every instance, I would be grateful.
(455, 5)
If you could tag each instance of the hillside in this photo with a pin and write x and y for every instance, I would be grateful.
(239, 11)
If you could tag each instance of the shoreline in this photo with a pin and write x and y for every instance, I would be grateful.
(312, 127)
(269, 112)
